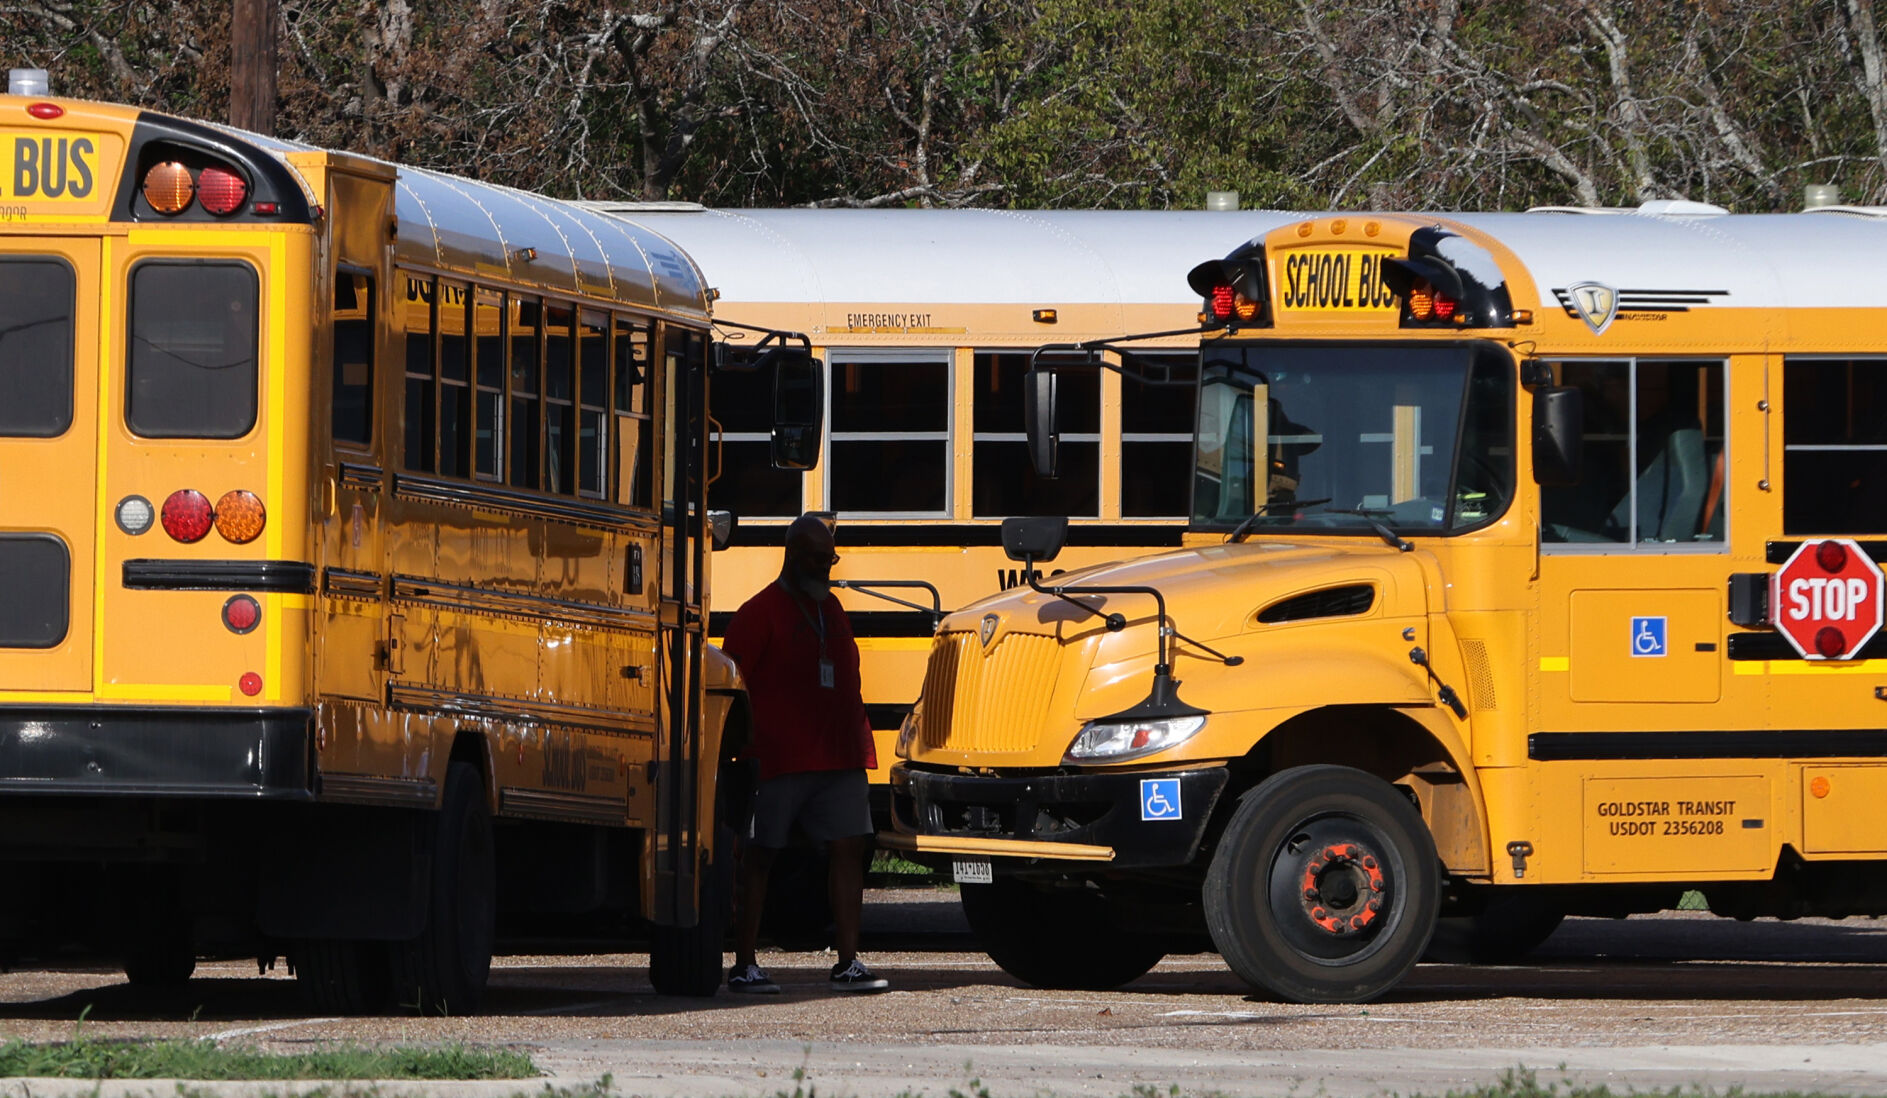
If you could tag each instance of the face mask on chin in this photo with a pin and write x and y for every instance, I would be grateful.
(815, 585)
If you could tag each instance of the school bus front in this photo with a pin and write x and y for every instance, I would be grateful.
(1522, 580)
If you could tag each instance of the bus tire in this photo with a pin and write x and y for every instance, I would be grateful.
(1325, 886)
(685, 961)
(444, 970)
(1056, 937)
(161, 954)
(343, 977)
(1511, 925)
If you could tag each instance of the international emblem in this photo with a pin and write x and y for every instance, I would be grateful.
(1595, 303)
(988, 629)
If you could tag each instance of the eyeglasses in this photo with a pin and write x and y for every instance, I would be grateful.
(812, 556)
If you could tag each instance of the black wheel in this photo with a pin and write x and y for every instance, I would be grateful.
(344, 977)
(1324, 887)
(1056, 937)
(1511, 925)
(444, 970)
(686, 960)
(160, 953)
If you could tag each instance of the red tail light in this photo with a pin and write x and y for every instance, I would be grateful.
(187, 515)
(1444, 306)
(241, 613)
(221, 192)
(1222, 302)
(1832, 556)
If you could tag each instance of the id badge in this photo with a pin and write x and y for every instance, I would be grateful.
(826, 676)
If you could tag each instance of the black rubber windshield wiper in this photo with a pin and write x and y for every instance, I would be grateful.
(1243, 528)
(1389, 537)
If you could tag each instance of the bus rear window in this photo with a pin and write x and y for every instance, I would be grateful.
(192, 361)
(36, 303)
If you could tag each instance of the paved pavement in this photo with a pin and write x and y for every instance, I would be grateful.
(1676, 1000)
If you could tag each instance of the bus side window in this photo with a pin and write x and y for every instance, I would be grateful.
(353, 357)
(1003, 483)
(1834, 446)
(1156, 440)
(749, 485)
(455, 382)
(488, 382)
(419, 319)
(890, 436)
(635, 433)
(592, 403)
(526, 380)
(560, 415)
(1653, 436)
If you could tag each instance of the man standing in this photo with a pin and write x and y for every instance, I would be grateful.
(795, 649)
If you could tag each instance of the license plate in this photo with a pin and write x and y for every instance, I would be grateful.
(973, 871)
(1333, 280)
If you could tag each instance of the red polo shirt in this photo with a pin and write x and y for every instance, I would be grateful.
(799, 724)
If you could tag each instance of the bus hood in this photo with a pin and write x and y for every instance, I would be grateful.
(1212, 593)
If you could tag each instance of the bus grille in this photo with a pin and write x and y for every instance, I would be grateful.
(995, 701)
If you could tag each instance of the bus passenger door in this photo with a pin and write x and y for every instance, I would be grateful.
(49, 464)
(1634, 561)
(682, 630)
(1633, 631)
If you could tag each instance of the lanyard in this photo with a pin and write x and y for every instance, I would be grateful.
(818, 624)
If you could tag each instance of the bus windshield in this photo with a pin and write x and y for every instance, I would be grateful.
(1417, 438)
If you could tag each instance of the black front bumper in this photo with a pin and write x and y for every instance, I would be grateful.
(1099, 809)
(106, 750)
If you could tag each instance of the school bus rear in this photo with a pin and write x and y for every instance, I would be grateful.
(154, 594)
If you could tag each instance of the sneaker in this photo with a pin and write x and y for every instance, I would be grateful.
(856, 977)
(751, 980)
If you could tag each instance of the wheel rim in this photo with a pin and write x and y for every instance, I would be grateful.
(1332, 889)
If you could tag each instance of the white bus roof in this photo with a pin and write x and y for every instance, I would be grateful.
(968, 257)
(1824, 258)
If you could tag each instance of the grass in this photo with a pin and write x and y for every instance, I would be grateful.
(888, 870)
(1693, 901)
(90, 1058)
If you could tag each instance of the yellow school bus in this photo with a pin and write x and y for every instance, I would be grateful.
(352, 563)
(1529, 571)
(925, 321)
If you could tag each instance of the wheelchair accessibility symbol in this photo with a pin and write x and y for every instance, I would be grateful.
(1647, 636)
(1159, 799)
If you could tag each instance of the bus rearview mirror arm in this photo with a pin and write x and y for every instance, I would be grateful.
(1039, 397)
(868, 587)
(1029, 539)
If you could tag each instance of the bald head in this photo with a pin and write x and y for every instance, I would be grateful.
(807, 569)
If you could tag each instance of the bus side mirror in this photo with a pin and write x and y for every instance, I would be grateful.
(1038, 409)
(1033, 538)
(799, 409)
(721, 528)
(1559, 420)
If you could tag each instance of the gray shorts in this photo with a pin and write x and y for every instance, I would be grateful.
(824, 804)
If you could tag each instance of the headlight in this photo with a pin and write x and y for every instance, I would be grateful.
(907, 735)
(1116, 740)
